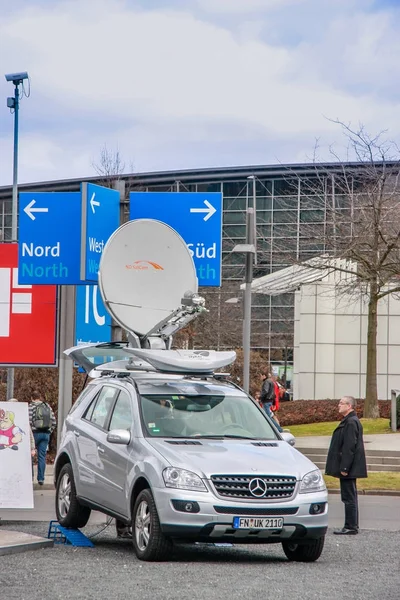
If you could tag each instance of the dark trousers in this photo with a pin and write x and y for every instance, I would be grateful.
(41, 442)
(348, 491)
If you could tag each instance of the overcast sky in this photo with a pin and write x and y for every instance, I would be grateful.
(193, 83)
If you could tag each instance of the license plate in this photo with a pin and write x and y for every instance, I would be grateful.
(257, 523)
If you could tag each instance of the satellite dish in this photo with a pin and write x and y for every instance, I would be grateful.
(145, 271)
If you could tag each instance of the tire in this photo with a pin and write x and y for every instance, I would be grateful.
(69, 512)
(305, 552)
(149, 542)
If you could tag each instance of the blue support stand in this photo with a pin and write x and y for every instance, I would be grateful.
(72, 537)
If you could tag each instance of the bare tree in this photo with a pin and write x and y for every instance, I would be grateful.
(354, 215)
(110, 164)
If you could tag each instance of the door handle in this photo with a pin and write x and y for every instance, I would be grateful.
(100, 449)
(76, 433)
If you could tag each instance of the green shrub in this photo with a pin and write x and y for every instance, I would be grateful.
(299, 412)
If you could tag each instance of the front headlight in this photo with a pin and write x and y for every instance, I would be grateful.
(312, 482)
(182, 479)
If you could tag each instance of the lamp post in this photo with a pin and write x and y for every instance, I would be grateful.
(13, 104)
(249, 250)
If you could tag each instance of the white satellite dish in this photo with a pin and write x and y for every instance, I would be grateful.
(145, 271)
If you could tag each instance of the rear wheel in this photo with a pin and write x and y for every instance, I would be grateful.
(149, 541)
(306, 552)
(68, 510)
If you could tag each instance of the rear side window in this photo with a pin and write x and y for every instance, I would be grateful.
(101, 406)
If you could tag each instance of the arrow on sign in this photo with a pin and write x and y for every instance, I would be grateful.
(210, 210)
(94, 202)
(30, 210)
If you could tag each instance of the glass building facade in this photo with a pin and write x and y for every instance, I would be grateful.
(291, 224)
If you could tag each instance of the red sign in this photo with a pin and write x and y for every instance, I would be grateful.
(28, 316)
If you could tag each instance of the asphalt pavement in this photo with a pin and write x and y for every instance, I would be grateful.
(363, 567)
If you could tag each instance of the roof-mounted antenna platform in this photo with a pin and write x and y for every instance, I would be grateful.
(148, 282)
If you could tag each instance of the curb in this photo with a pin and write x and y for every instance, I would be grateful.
(370, 492)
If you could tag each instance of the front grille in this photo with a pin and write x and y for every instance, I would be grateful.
(237, 486)
(230, 510)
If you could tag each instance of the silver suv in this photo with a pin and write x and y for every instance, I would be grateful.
(183, 457)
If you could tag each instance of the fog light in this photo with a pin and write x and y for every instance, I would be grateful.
(318, 508)
(187, 506)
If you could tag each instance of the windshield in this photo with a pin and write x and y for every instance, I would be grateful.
(208, 416)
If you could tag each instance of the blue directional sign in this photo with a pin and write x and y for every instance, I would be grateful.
(196, 216)
(100, 218)
(62, 234)
(92, 323)
(50, 238)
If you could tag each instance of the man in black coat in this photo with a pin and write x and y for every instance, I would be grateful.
(346, 460)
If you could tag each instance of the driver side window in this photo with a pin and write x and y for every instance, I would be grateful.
(122, 414)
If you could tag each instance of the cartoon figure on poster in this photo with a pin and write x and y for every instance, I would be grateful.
(16, 488)
(10, 433)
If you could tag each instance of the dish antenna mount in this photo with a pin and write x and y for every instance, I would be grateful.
(148, 282)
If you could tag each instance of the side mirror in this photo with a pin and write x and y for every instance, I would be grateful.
(119, 436)
(288, 437)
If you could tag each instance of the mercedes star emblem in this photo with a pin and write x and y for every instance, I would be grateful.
(258, 487)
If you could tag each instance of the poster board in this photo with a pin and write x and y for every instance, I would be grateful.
(16, 488)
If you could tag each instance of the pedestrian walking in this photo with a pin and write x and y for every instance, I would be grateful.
(267, 393)
(268, 398)
(346, 460)
(43, 423)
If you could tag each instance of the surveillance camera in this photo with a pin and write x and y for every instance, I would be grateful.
(17, 77)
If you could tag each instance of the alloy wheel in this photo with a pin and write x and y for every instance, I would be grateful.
(64, 495)
(143, 525)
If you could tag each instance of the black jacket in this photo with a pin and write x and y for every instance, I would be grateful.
(346, 452)
(267, 393)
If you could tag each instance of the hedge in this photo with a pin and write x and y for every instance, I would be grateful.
(299, 412)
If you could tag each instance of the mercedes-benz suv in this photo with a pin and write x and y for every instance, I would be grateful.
(183, 457)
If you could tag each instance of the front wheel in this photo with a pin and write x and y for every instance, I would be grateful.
(149, 541)
(305, 552)
(68, 510)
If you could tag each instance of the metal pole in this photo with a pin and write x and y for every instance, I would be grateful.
(14, 214)
(65, 364)
(247, 299)
(394, 411)
(255, 219)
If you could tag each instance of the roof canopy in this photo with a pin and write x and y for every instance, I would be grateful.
(291, 278)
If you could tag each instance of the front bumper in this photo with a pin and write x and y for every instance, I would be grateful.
(214, 521)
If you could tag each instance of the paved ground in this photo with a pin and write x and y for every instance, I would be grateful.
(363, 567)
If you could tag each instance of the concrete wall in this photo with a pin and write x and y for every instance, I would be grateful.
(330, 344)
